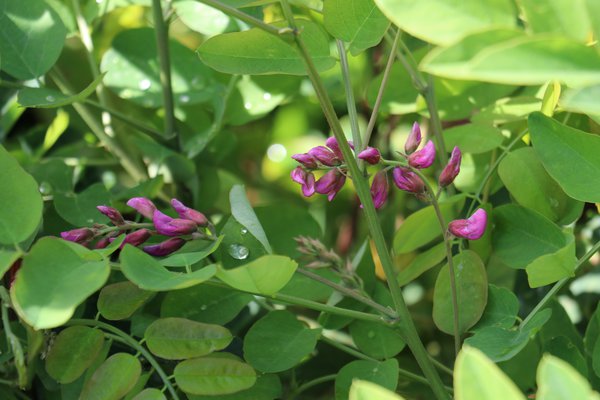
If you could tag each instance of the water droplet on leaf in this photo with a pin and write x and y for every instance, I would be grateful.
(238, 251)
(145, 84)
(203, 307)
(45, 188)
(244, 231)
(50, 98)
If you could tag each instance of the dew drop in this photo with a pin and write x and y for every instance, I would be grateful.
(45, 188)
(145, 84)
(50, 98)
(203, 307)
(184, 98)
(244, 231)
(238, 251)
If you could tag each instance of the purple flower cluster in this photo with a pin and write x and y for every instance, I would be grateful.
(190, 224)
(405, 176)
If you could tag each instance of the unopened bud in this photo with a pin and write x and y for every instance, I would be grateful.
(168, 226)
(189, 213)
(370, 155)
(407, 180)
(113, 214)
(471, 228)
(80, 235)
(452, 169)
(142, 205)
(414, 139)
(165, 248)
(424, 157)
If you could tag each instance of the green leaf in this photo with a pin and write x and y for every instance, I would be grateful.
(202, 303)
(471, 291)
(501, 309)
(563, 348)
(422, 227)
(265, 275)
(563, 17)
(365, 390)
(150, 394)
(501, 344)
(20, 204)
(148, 274)
(50, 98)
(32, 36)
(214, 376)
(559, 146)
(473, 138)
(7, 259)
(54, 280)
(72, 352)
(179, 338)
(239, 246)
(423, 262)
(528, 182)
(256, 52)
(186, 257)
(120, 300)
(202, 18)
(446, 21)
(267, 387)
(243, 213)
(376, 340)
(57, 127)
(551, 268)
(520, 60)
(356, 22)
(477, 377)
(80, 209)
(521, 235)
(133, 73)
(557, 380)
(384, 374)
(278, 342)
(585, 100)
(113, 379)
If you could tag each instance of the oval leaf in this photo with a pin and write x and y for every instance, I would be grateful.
(20, 203)
(383, 373)
(471, 290)
(120, 300)
(265, 275)
(150, 394)
(113, 379)
(557, 380)
(365, 390)
(72, 352)
(179, 338)
(54, 279)
(255, 52)
(376, 340)
(569, 155)
(214, 376)
(148, 274)
(278, 341)
(243, 213)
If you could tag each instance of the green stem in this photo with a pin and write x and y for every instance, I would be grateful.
(242, 16)
(406, 323)
(559, 285)
(128, 164)
(127, 226)
(350, 103)
(162, 44)
(384, 81)
(13, 341)
(310, 384)
(313, 305)
(125, 338)
(350, 293)
(125, 118)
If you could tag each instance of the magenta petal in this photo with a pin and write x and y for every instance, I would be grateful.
(471, 228)
(168, 226)
(113, 214)
(306, 160)
(327, 182)
(452, 169)
(79, 235)
(424, 157)
(308, 187)
(136, 238)
(298, 175)
(370, 155)
(379, 189)
(189, 213)
(414, 139)
(143, 206)
(339, 184)
(165, 248)
(407, 180)
(324, 156)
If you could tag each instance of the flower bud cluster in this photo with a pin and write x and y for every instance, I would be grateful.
(191, 224)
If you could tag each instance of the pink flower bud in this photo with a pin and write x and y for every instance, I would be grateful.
(407, 180)
(452, 169)
(370, 155)
(332, 143)
(143, 206)
(168, 226)
(136, 238)
(424, 157)
(304, 178)
(330, 183)
(324, 156)
(165, 248)
(102, 243)
(414, 139)
(113, 214)
(379, 189)
(80, 235)
(306, 159)
(189, 213)
(471, 228)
